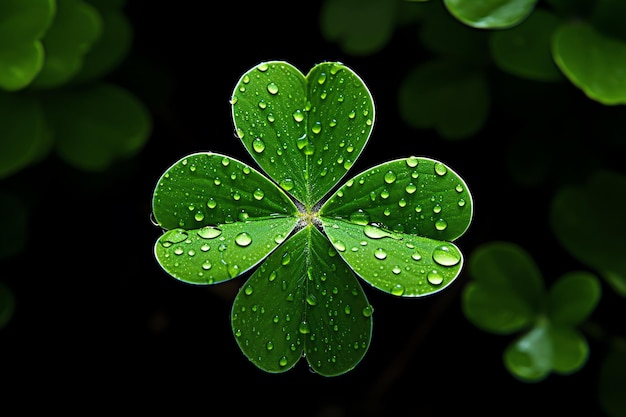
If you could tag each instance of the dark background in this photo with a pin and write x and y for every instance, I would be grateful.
(98, 325)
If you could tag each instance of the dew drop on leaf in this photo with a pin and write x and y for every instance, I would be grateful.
(243, 239)
(272, 88)
(298, 116)
(397, 289)
(360, 217)
(390, 177)
(440, 169)
(258, 145)
(445, 257)
(441, 224)
(380, 254)
(209, 232)
(258, 194)
(367, 311)
(434, 278)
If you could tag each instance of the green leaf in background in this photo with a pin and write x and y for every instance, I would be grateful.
(303, 302)
(22, 25)
(506, 291)
(441, 95)
(223, 218)
(394, 223)
(360, 27)
(592, 61)
(96, 124)
(25, 137)
(612, 380)
(304, 132)
(490, 14)
(111, 47)
(526, 49)
(507, 295)
(76, 26)
(588, 221)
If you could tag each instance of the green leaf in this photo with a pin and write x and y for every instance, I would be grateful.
(360, 27)
(442, 95)
(23, 24)
(76, 26)
(110, 48)
(507, 292)
(588, 221)
(546, 348)
(490, 14)
(592, 61)
(573, 297)
(612, 380)
(529, 358)
(526, 49)
(392, 224)
(304, 132)
(24, 132)
(303, 301)
(222, 217)
(96, 124)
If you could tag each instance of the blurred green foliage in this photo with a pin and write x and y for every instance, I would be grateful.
(55, 56)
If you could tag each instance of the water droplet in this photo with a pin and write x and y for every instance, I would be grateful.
(248, 290)
(360, 217)
(211, 203)
(272, 88)
(283, 361)
(397, 289)
(233, 270)
(298, 116)
(304, 328)
(412, 161)
(263, 67)
(173, 236)
(243, 239)
(262, 104)
(287, 184)
(434, 278)
(396, 270)
(410, 188)
(440, 169)
(441, 224)
(311, 299)
(390, 177)
(316, 128)
(461, 202)
(458, 188)
(206, 265)
(437, 209)
(205, 248)
(376, 232)
(258, 145)
(321, 78)
(380, 253)
(285, 259)
(225, 162)
(367, 311)
(402, 202)
(416, 256)
(209, 232)
(340, 246)
(444, 256)
(269, 345)
(199, 216)
(258, 194)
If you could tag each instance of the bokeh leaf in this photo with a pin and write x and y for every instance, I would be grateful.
(23, 24)
(592, 61)
(526, 49)
(588, 221)
(441, 95)
(303, 301)
(490, 14)
(573, 297)
(25, 136)
(304, 132)
(76, 26)
(96, 124)
(360, 27)
(506, 293)
(222, 217)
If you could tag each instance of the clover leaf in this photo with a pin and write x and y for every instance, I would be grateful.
(507, 296)
(392, 225)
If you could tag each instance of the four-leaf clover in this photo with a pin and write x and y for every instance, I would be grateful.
(391, 225)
